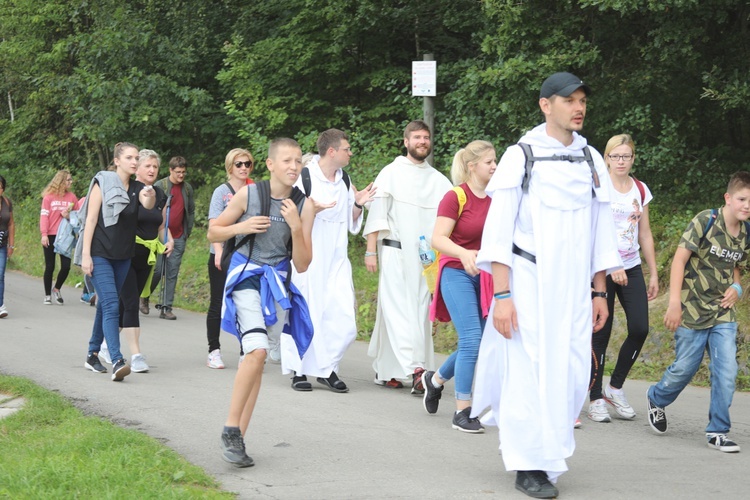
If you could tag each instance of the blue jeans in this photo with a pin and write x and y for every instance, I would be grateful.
(461, 294)
(108, 276)
(721, 342)
(3, 262)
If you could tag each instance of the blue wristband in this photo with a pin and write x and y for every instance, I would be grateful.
(502, 295)
(737, 287)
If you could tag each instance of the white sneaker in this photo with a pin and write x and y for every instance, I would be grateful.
(274, 354)
(598, 411)
(3, 311)
(138, 363)
(619, 403)
(214, 360)
(104, 354)
(47, 300)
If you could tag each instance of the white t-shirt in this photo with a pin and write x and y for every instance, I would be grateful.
(627, 210)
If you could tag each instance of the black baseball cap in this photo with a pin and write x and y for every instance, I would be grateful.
(562, 84)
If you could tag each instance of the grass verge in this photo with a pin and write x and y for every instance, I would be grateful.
(51, 450)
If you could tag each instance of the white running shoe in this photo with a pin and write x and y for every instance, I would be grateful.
(619, 403)
(104, 354)
(598, 411)
(274, 354)
(3, 311)
(138, 363)
(214, 360)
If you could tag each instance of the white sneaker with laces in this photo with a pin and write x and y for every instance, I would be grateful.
(3, 311)
(274, 354)
(47, 300)
(214, 360)
(138, 363)
(619, 403)
(598, 411)
(104, 354)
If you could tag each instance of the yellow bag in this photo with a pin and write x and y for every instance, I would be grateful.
(430, 272)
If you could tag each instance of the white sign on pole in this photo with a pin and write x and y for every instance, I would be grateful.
(424, 78)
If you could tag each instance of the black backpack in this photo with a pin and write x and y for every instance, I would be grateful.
(530, 159)
(307, 183)
(264, 193)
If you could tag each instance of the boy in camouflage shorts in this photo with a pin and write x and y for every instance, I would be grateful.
(703, 290)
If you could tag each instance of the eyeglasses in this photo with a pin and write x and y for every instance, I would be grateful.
(620, 157)
(246, 164)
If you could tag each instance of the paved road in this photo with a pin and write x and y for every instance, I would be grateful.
(370, 443)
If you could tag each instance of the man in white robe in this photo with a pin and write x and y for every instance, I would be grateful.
(327, 284)
(534, 361)
(404, 208)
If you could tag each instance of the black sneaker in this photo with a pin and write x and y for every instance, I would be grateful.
(233, 448)
(657, 419)
(535, 483)
(463, 423)
(93, 364)
(416, 382)
(432, 394)
(722, 443)
(120, 370)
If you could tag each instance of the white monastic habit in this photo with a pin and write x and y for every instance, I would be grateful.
(537, 382)
(327, 284)
(405, 208)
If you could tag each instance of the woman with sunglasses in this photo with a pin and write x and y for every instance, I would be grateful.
(239, 165)
(630, 210)
(57, 202)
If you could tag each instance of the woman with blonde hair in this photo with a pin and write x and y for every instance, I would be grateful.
(239, 165)
(463, 294)
(57, 203)
(630, 210)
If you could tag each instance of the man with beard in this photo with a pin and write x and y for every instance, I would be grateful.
(405, 206)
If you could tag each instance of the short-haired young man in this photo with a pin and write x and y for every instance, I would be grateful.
(704, 287)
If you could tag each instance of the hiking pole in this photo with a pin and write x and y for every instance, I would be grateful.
(163, 270)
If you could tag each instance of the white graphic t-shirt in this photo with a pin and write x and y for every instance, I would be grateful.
(627, 210)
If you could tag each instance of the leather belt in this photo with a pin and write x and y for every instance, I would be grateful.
(392, 243)
(523, 253)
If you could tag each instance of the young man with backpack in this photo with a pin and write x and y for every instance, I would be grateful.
(327, 284)
(273, 225)
(544, 241)
(704, 287)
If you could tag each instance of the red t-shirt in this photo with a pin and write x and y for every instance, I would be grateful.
(467, 232)
(176, 211)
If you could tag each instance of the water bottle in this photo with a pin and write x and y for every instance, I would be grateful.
(426, 255)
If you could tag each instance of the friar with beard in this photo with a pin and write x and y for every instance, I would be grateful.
(405, 207)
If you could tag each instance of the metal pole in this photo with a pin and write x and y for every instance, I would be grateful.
(428, 109)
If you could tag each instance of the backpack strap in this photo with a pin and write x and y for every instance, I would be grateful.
(641, 189)
(461, 194)
(530, 159)
(306, 182)
(346, 179)
(711, 220)
(230, 187)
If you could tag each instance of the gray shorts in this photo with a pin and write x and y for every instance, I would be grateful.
(252, 326)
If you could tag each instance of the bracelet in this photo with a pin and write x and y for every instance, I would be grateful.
(371, 254)
(505, 294)
(13, 248)
(358, 205)
(737, 287)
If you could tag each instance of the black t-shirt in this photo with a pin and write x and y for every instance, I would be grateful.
(117, 242)
(150, 220)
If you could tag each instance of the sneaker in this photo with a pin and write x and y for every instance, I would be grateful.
(416, 381)
(57, 297)
(166, 313)
(722, 443)
(138, 363)
(657, 419)
(598, 411)
(143, 306)
(274, 354)
(233, 448)
(432, 394)
(535, 483)
(464, 423)
(214, 360)
(577, 424)
(86, 297)
(619, 403)
(104, 353)
(47, 300)
(3, 311)
(93, 364)
(391, 384)
(120, 370)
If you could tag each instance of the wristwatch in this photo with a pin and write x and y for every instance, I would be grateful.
(599, 294)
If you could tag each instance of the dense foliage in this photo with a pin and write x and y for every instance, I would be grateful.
(196, 78)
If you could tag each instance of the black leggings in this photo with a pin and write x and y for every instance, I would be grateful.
(49, 267)
(132, 288)
(634, 301)
(216, 279)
